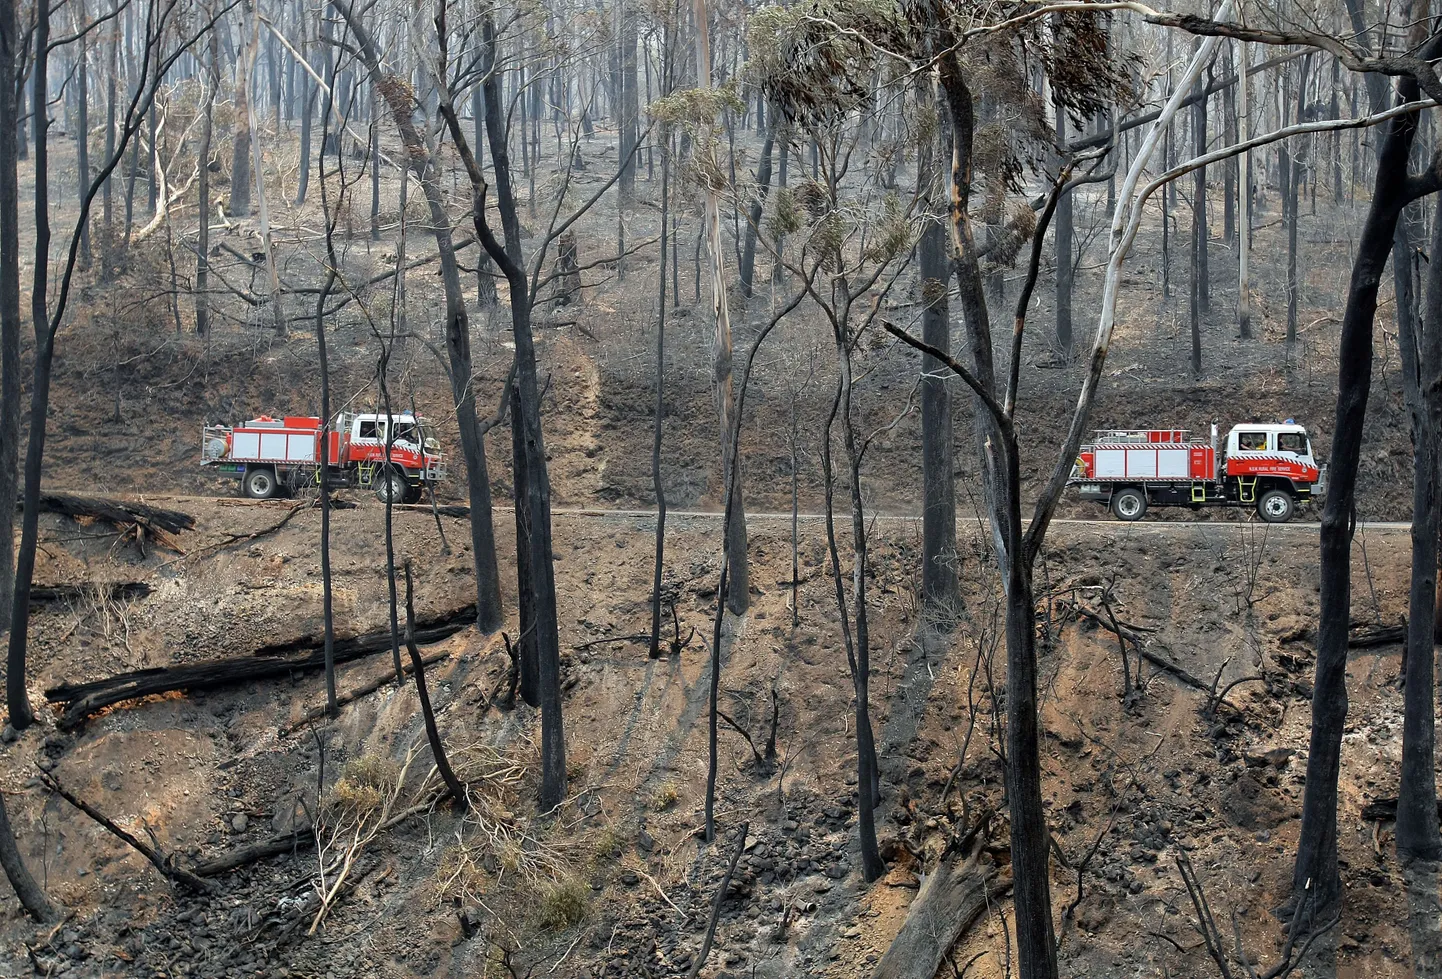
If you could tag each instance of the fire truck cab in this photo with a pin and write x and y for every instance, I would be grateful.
(1270, 467)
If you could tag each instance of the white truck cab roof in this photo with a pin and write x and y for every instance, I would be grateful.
(1270, 427)
(399, 416)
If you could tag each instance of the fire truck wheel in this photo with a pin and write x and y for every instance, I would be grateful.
(1129, 504)
(391, 487)
(1275, 506)
(260, 484)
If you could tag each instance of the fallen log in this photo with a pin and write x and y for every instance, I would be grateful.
(445, 511)
(427, 631)
(116, 590)
(232, 540)
(1367, 637)
(1385, 810)
(302, 838)
(159, 523)
(83, 699)
(953, 897)
(1165, 664)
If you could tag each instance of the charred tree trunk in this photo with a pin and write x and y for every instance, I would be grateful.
(22, 142)
(868, 781)
(1229, 168)
(458, 340)
(307, 113)
(375, 165)
(10, 53)
(240, 157)
(568, 270)
(1420, 344)
(485, 269)
(1200, 293)
(1062, 230)
(330, 142)
(629, 108)
(17, 699)
(660, 411)
(32, 898)
(1064, 247)
(107, 198)
(940, 583)
(428, 715)
(1035, 936)
(1169, 192)
(82, 127)
(1169, 204)
(1316, 882)
(257, 163)
(1334, 109)
(1244, 169)
(130, 179)
(533, 510)
(153, 183)
(272, 64)
(327, 590)
(1437, 619)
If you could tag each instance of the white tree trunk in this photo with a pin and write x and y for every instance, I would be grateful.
(738, 596)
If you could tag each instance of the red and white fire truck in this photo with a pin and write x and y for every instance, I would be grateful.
(1269, 467)
(396, 455)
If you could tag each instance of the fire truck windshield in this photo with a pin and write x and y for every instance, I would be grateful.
(428, 438)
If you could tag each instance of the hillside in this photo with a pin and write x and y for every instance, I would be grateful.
(213, 772)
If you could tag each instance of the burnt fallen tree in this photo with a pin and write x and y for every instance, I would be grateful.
(449, 510)
(957, 893)
(1385, 810)
(80, 700)
(301, 838)
(1369, 636)
(298, 840)
(119, 591)
(142, 519)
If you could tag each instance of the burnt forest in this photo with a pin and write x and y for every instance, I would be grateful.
(833, 489)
